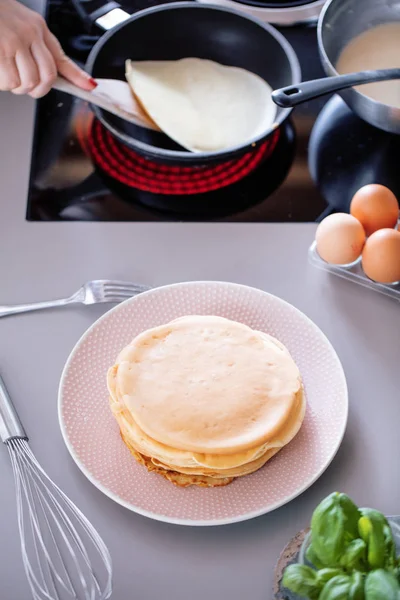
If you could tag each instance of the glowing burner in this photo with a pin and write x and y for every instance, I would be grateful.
(129, 168)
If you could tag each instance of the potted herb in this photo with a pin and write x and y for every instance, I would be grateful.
(350, 554)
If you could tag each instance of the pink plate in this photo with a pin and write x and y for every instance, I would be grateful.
(92, 435)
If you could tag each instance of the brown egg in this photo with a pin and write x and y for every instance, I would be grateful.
(375, 206)
(340, 239)
(381, 256)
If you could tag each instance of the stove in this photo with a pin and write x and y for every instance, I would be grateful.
(71, 179)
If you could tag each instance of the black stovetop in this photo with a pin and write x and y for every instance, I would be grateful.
(66, 186)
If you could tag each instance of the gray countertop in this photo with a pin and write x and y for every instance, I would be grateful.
(45, 260)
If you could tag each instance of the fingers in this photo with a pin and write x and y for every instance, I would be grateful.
(46, 69)
(66, 67)
(28, 72)
(9, 76)
(30, 66)
(74, 74)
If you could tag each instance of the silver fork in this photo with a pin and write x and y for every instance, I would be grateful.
(92, 292)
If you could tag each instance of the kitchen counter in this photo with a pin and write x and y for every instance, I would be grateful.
(45, 260)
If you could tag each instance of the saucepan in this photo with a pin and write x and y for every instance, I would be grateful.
(340, 22)
(187, 29)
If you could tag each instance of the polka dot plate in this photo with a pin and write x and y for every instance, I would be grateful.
(92, 435)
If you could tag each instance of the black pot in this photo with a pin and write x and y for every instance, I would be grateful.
(182, 29)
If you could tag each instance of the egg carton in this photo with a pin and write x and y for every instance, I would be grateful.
(353, 273)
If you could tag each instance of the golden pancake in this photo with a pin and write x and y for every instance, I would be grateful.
(199, 371)
(209, 386)
(214, 465)
(177, 479)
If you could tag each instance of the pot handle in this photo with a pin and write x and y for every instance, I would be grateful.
(291, 96)
(98, 12)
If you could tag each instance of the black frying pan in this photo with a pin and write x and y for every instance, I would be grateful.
(277, 3)
(178, 30)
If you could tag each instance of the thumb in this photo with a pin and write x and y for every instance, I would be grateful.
(66, 67)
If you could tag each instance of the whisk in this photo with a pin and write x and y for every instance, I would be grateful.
(64, 557)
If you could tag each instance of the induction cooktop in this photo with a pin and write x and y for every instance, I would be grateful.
(296, 181)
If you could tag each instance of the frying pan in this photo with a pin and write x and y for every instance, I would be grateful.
(187, 29)
(277, 3)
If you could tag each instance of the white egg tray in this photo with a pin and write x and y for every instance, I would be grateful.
(353, 273)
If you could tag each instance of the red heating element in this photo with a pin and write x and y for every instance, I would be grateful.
(131, 169)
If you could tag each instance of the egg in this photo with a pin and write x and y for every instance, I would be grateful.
(376, 207)
(381, 256)
(340, 239)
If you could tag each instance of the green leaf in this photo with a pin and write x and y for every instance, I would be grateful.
(301, 580)
(356, 591)
(352, 514)
(374, 514)
(333, 526)
(380, 521)
(371, 531)
(337, 588)
(381, 585)
(312, 557)
(390, 547)
(355, 556)
(324, 575)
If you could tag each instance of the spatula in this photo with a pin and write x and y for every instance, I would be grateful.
(113, 95)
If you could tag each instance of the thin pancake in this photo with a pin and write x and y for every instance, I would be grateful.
(233, 391)
(252, 467)
(186, 462)
(203, 105)
(178, 479)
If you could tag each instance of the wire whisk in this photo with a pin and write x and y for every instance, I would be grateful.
(63, 555)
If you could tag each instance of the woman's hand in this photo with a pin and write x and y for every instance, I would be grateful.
(30, 56)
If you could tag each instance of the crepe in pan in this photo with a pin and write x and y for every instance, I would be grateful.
(202, 105)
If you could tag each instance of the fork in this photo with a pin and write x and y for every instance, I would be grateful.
(92, 292)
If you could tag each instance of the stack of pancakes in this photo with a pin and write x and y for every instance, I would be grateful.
(203, 399)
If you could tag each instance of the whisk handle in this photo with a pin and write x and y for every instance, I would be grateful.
(10, 425)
